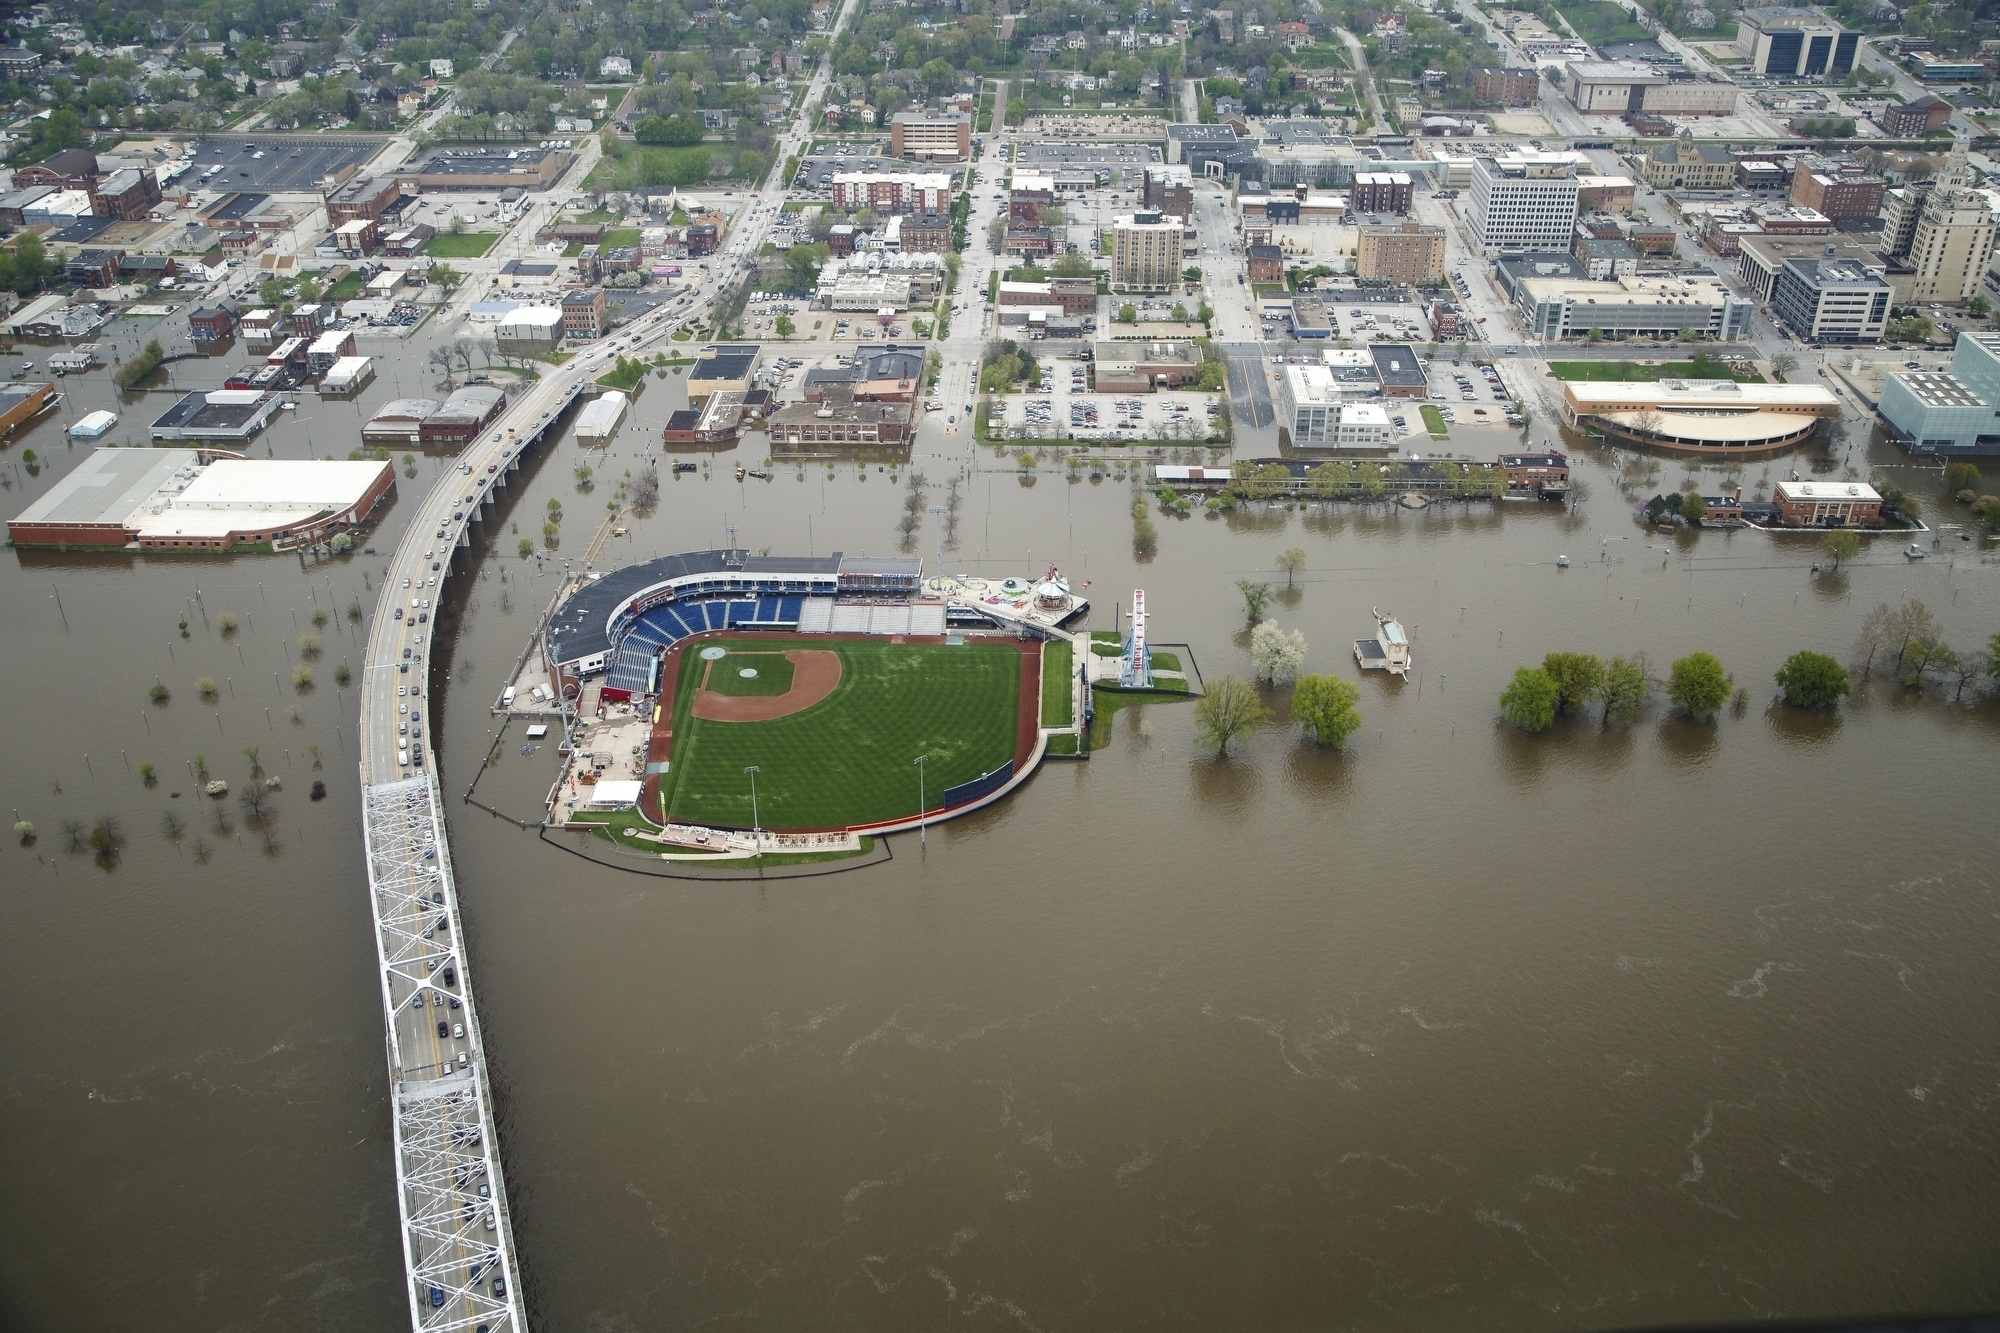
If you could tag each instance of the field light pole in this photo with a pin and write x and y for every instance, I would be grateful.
(923, 827)
(756, 825)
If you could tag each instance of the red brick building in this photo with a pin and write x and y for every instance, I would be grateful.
(125, 195)
(71, 169)
(1536, 474)
(211, 323)
(1828, 504)
(1506, 87)
(1380, 192)
(583, 313)
(363, 198)
(1820, 184)
(1911, 120)
(1265, 262)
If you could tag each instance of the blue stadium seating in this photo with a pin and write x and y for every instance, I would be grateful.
(666, 624)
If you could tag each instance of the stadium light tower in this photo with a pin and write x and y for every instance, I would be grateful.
(923, 824)
(756, 825)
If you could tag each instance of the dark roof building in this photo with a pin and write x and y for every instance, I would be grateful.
(1399, 371)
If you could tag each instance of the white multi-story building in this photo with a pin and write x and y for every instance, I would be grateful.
(1320, 418)
(1523, 202)
(1147, 251)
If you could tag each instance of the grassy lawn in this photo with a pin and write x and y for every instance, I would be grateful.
(1434, 422)
(1105, 703)
(1166, 662)
(347, 289)
(848, 759)
(620, 236)
(1057, 696)
(1599, 21)
(743, 674)
(1632, 370)
(464, 245)
(1272, 289)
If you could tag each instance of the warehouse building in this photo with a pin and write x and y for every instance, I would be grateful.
(226, 416)
(399, 421)
(464, 414)
(1615, 87)
(201, 500)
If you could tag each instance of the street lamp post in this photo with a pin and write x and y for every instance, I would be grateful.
(756, 825)
(923, 824)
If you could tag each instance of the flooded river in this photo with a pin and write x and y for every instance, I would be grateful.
(1458, 1027)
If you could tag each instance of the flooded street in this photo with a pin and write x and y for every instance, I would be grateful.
(1458, 1027)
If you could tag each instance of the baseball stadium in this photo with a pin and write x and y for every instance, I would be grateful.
(811, 699)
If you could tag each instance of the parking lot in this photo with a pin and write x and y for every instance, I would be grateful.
(1063, 407)
(817, 171)
(1377, 323)
(1469, 392)
(277, 163)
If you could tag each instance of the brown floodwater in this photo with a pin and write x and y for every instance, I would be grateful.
(1458, 1027)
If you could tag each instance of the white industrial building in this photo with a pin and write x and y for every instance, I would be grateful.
(529, 328)
(598, 421)
(197, 500)
(1523, 201)
(348, 374)
(1319, 417)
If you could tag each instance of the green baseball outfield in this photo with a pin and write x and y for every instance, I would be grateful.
(834, 726)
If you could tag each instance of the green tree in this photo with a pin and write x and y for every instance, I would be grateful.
(1624, 691)
(1128, 313)
(1256, 596)
(1230, 709)
(31, 260)
(805, 262)
(1323, 707)
(1693, 508)
(1813, 680)
(1840, 545)
(1578, 677)
(445, 276)
(784, 327)
(1698, 685)
(1529, 701)
(1291, 560)
(1075, 264)
(1960, 476)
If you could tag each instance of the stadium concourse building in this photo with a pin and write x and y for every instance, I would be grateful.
(618, 625)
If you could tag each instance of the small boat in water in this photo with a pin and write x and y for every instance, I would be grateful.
(1388, 651)
(1562, 562)
(1915, 552)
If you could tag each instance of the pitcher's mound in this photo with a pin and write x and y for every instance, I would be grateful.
(815, 673)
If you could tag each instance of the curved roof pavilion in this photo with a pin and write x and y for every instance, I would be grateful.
(1719, 415)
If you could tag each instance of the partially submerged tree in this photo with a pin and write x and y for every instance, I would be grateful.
(1230, 709)
(1277, 654)
(1529, 701)
(1624, 691)
(1840, 545)
(1813, 680)
(1323, 707)
(1578, 677)
(1256, 596)
(1698, 685)
(1290, 562)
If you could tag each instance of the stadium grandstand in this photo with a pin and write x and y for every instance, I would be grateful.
(621, 623)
